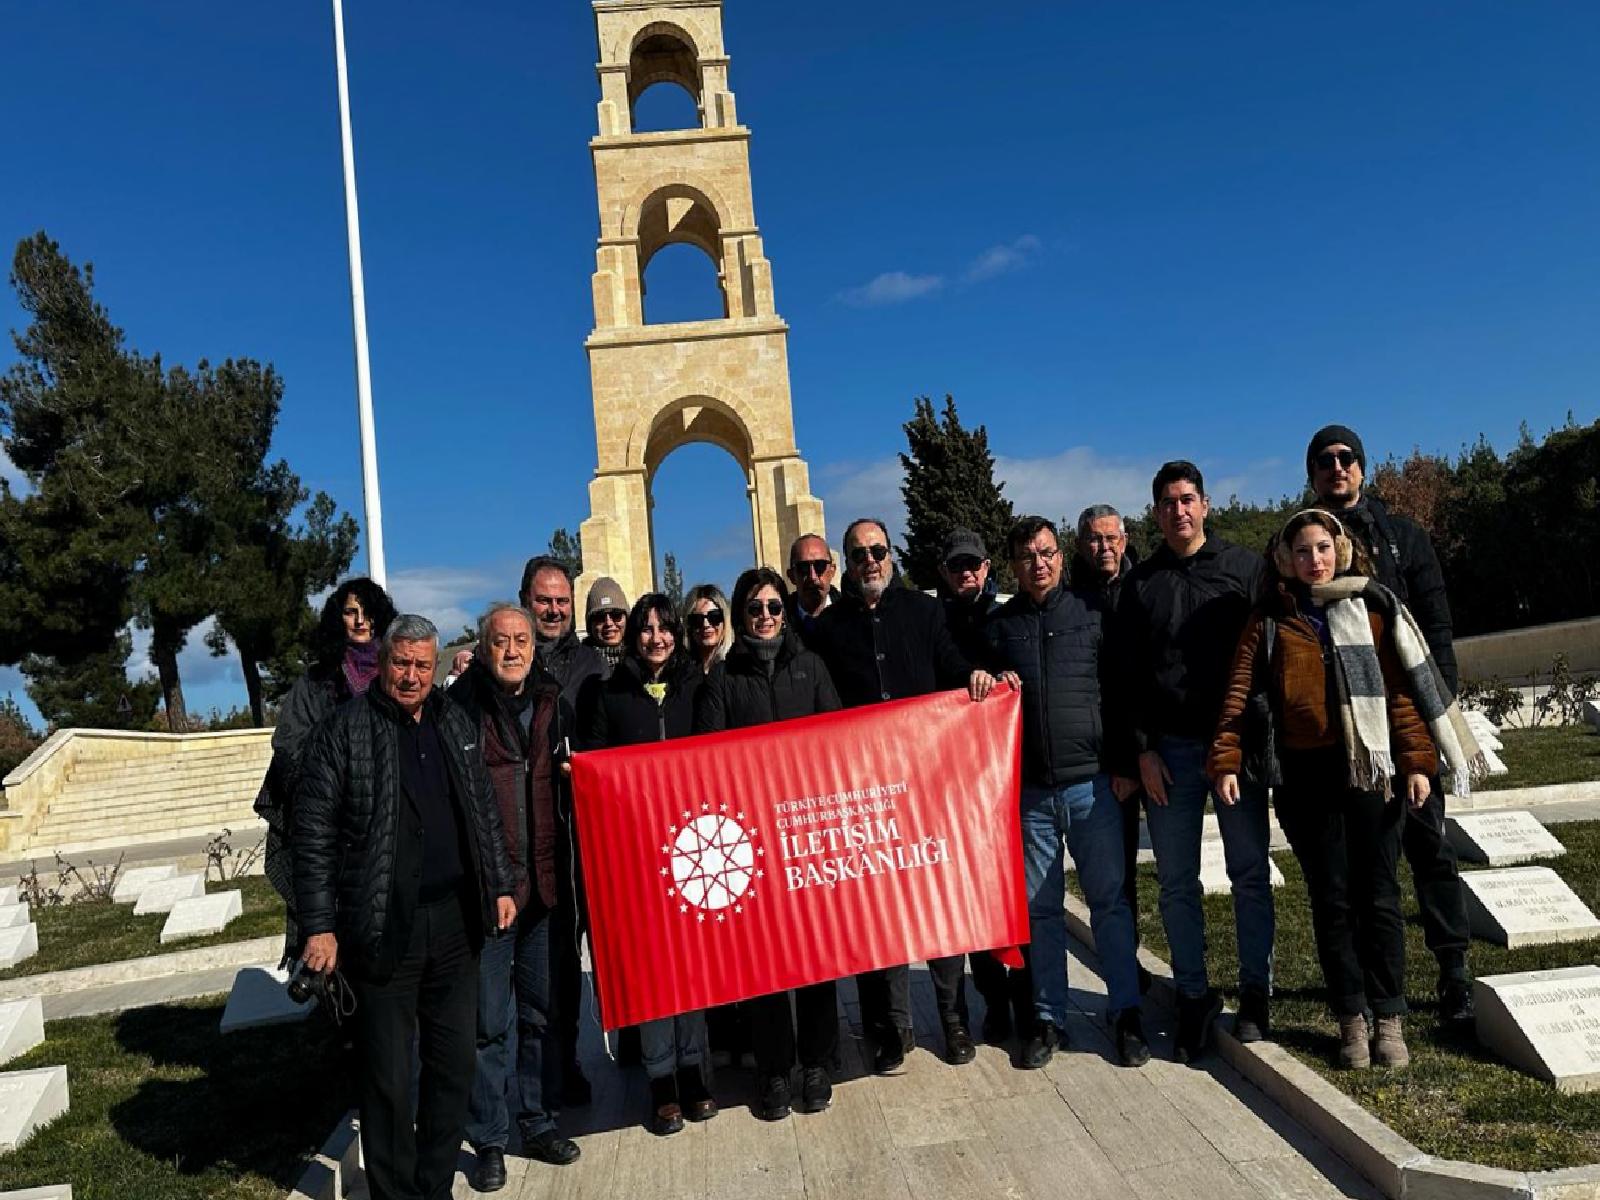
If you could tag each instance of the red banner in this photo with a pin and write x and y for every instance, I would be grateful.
(737, 864)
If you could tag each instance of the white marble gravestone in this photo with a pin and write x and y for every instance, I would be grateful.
(12, 915)
(1496, 767)
(1546, 1023)
(18, 943)
(21, 1026)
(29, 1099)
(1525, 906)
(10, 895)
(54, 1191)
(1214, 879)
(131, 884)
(1501, 839)
(202, 915)
(259, 997)
(160, 897)
(1485, 730)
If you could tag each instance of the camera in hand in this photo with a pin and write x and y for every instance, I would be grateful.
(328, 989)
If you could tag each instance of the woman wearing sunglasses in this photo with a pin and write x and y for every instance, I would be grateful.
(705, 622)
(769, 676)
(650, 697)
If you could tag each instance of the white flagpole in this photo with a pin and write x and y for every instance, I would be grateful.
(358, 303)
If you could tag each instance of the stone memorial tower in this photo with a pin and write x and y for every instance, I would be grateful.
(723, 381)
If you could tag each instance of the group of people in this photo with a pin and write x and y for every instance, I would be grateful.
(425, 836)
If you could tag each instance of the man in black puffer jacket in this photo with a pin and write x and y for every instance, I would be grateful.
(1403, 560)
(882, 641)
(400, 874)
(1051, 637)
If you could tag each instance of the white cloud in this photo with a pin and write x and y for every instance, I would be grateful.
(892, 287)
(449, 597)
(197, 666)
(1065, 483)
(9, 472)
(863, 489)
(1004, 258)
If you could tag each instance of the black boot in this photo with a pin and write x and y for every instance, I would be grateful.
(1042, 1046)
(694, 1095)
(666, 1115)
(1195, 1017)
(1132, 1049)
(1254, 1020)
(490, 1174)
(774, 1104)
(958, 1047)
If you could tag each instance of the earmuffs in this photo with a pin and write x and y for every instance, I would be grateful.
(1344, 551)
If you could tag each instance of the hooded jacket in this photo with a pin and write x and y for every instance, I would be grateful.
(522, 770)
(1055, 648)
(358, 835)
(1403, 560)
(897, 650)
(1177, 623)
(741, 691)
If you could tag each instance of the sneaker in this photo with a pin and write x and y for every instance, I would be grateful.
(550, 1147)
(816, 1089)
(1132, 1049)
(1042, 1046)
(1196, 1014)
(997, 1024)
(693, 1094)
(666, 1114)
(1254, 1021)
(958, 1047)
(1354, 1054)
(774, 1103)
(490, 1173)
(1389, 1043)
(1455, 1001)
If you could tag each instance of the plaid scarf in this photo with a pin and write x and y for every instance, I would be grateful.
(1363, 706)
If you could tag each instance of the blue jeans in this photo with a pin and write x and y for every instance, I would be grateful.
(670, 1044)
(514, 1010)
(1086, 819)
(1175, 832)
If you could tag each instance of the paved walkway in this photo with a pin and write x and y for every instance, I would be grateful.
(1082, 1128)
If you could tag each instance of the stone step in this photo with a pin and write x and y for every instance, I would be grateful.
(28, 1100)
(21, 1026)
(110, 776)
(121, 756)
(247, 830)
(112, 797)
(77, 828)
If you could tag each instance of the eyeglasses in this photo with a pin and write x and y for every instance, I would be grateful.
(879, 552)
(711, 616)
(814, 566)
(773, 608)
(963, 565)
(613, 616)
(1044, 556)
(1327, 458)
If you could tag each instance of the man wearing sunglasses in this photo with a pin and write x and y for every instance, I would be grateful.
(811, 571)
(1404, 561)
(883, 641)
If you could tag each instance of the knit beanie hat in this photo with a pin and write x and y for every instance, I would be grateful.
(605, 595)
(1334, 435)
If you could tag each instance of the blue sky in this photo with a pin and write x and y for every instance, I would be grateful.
(1117, 233)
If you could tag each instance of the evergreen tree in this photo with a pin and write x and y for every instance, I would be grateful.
(949, 484)
(566, 549)
(92, 690)
(672, 580)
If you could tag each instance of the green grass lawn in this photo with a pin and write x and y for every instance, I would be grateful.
(1556, 754)
(1455, 1100)
(77, 935)
(166, 1108)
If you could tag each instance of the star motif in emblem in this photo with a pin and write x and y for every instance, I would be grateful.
(761, 874)
(704, 806)
(686, 815)
(701, 918)
(739, 816)
(683, 908)
(711, 861)
(721, 917)
(666, 849)
(722, 808)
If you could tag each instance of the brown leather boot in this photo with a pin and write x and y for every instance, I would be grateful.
(1389, 1046)
(1353, 1051)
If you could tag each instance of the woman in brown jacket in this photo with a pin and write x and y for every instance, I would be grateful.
(1342, 721)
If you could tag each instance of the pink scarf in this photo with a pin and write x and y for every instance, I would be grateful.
(360, 665)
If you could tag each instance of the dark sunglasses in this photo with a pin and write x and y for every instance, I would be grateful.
(962, 564)
(1327, 458)
(711, 616)
(813, 566)
(773, 608)
(614, 615)
(879, 552)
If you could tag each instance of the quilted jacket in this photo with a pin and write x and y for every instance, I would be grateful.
(357, 843)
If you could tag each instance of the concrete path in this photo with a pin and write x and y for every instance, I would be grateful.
(1082, 1129)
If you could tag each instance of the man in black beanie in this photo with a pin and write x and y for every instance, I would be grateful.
(1403, 560)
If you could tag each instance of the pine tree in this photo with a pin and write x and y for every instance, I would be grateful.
(672, 580)
(950, 484)
(566, 549)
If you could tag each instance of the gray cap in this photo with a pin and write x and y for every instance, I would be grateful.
(605, 596)
(962, 543)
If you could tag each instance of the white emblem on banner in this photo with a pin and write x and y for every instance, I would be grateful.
(711, 859)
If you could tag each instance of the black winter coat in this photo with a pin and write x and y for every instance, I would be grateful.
(965, 619)
(358, 838)
(1055, 648)
(571, 662)
(897, 650)
(1177, 623)
(740, 692)
(624, 714)
(1403, 560)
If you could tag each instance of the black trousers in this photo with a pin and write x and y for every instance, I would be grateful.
(1348, 844)
(810, 1030)
(432, 995)
(1002, 987)
(885, 997)
(1440, 895)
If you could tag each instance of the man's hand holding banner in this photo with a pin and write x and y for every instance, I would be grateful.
(728, 866)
